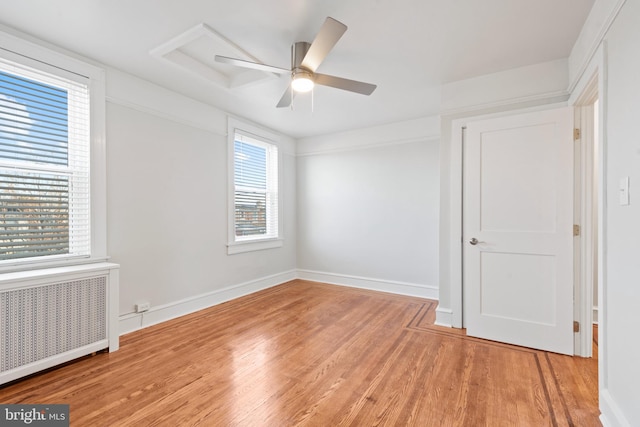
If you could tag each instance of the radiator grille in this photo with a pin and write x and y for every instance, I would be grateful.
(44, 321)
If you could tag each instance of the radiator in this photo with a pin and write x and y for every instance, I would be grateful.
(52, 316)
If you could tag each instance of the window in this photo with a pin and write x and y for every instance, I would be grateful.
(44, 176)
(255, 220)
(47, 125)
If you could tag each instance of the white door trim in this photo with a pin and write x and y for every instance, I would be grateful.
(585, 249)
(597, 68)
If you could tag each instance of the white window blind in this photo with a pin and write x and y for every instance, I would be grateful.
(255, 188)
(44, 164)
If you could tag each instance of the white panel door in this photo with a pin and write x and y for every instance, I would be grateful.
(518, 205)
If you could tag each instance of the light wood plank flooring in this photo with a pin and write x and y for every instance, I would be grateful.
(313, 354)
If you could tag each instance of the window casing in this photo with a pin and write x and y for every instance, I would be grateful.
(52, 168)
(254, 197)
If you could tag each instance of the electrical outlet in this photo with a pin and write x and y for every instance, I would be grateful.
(142, 307)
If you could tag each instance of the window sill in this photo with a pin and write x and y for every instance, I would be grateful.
(10, 280)
(31, 264)
(253, 245)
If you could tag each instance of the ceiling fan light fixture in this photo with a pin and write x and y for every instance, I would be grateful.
(305, 59)
(302, 81)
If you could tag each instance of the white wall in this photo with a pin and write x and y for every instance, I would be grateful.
(621, 300)
(530, 84)
(368, 208)
(167, 205)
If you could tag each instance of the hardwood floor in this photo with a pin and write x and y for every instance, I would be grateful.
(312, 354)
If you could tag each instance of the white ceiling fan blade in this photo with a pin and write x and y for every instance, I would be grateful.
(344, 84)
(249, 64)
(285, 101)
(325, 40)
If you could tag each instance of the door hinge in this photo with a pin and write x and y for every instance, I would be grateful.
(576, 326)
(576, 134)
(576, 230)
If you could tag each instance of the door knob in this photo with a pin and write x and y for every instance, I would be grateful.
(474, 241)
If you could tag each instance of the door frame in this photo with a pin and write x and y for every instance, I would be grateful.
(458, 127)
(592, 83)
(586, 246)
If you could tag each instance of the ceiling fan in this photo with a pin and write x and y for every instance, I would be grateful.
(305, 60)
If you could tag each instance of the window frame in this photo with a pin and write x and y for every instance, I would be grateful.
(20, 49)
(235, 245)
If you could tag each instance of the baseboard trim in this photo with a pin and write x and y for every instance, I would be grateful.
(132, 322)
(129, 323)
(444, 317)
(402, 288)
(610, 413)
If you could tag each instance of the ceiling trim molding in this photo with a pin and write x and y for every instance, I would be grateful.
(422, 139)
(164, 115)
(521, 101)
(141, 95)
(607, 18)
(174, 53)
(423, 129)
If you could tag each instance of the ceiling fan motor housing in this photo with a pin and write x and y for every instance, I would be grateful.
(301, 77)
(298, 52)
(305, 60)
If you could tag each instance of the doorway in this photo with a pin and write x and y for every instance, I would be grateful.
(588, 100)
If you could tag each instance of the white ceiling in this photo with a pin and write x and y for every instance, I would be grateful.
(407, 47)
